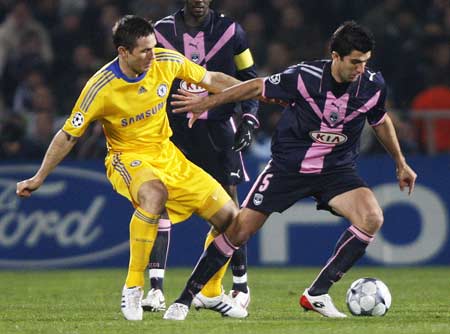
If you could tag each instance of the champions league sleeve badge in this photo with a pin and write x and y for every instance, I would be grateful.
(275, 79)
(77, 120)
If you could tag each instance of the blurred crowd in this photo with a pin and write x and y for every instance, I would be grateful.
(49, 48)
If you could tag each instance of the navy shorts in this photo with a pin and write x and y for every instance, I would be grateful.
(276, 190)
(209, 145)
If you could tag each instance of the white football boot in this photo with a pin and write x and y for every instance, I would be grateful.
(154, 302)
(223, 304)
(321, 304)
(240, 297)
(176, 311)
(131, 303)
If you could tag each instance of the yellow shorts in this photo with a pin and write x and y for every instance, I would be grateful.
(190, 188)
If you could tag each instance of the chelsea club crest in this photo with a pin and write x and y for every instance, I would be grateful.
(162, 90)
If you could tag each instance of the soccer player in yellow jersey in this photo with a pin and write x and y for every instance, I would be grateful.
(128, 96)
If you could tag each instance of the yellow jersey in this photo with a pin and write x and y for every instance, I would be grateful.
(132, 110)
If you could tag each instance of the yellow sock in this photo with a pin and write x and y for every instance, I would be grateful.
(213, 287)
(143, 231)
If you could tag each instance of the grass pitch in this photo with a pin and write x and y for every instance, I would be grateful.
(88, 301)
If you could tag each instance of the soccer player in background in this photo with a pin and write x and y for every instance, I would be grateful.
(217, 43)
(314, 151)
(129, 96)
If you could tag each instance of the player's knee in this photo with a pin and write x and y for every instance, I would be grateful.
(152, 196)
(224, 217)
(373, 220)
(239, 233)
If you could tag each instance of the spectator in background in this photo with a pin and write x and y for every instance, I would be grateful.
(278, 58)
(18, 23)
(41, 117)
(254, 25)
(438, 14)
(296, 33)
(380, 16)
(13, 143)
(100, 18)
(435, 68)
(83, 64)
(23, 95)
(67, 35)
(404, 30)
(434, 99)
(435, 95)
(235, 8)
(47, 12)
(154, 9)
(24, 44)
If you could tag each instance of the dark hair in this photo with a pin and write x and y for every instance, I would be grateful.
(351, 36)
(129, 29)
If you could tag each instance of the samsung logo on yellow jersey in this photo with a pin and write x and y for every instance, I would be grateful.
(142, 115)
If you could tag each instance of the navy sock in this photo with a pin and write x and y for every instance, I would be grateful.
(350, 247)
(238, 266)
(158, 258)
(212, 259)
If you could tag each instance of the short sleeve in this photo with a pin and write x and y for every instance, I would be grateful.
(191, 72)
(376, 114)
(282, 86)
(88, 108)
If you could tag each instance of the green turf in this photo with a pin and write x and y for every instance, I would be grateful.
(87, 301)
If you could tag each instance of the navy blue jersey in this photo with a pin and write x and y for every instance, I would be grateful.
(319, 132)
(219, 44)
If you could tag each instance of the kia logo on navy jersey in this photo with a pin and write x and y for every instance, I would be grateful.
(67, 221)
(330, 138)
(191, 87)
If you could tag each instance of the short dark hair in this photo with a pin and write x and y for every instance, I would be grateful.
(351, 36)
(128, 29)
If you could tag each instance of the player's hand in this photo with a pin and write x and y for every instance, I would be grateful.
(406, 178)
(26, 187)
(244, 134)
(188, 102)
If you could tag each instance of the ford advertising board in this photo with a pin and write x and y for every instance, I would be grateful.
(74, 219)
(77, 220)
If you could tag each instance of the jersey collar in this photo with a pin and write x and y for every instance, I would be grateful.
(118, 72)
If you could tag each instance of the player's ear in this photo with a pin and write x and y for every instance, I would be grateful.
(122, 51)
(334, 55)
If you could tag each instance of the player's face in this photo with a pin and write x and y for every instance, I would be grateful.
(350, 67)
(140, 58)
(198, 8)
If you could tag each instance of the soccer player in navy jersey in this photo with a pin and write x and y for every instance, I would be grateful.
(219, 44)
(314, 150)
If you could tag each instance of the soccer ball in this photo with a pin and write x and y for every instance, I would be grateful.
(368, 296)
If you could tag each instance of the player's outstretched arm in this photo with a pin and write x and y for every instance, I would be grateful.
(187, 102)
(60, 146)
(216, 82)
(385, 133)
